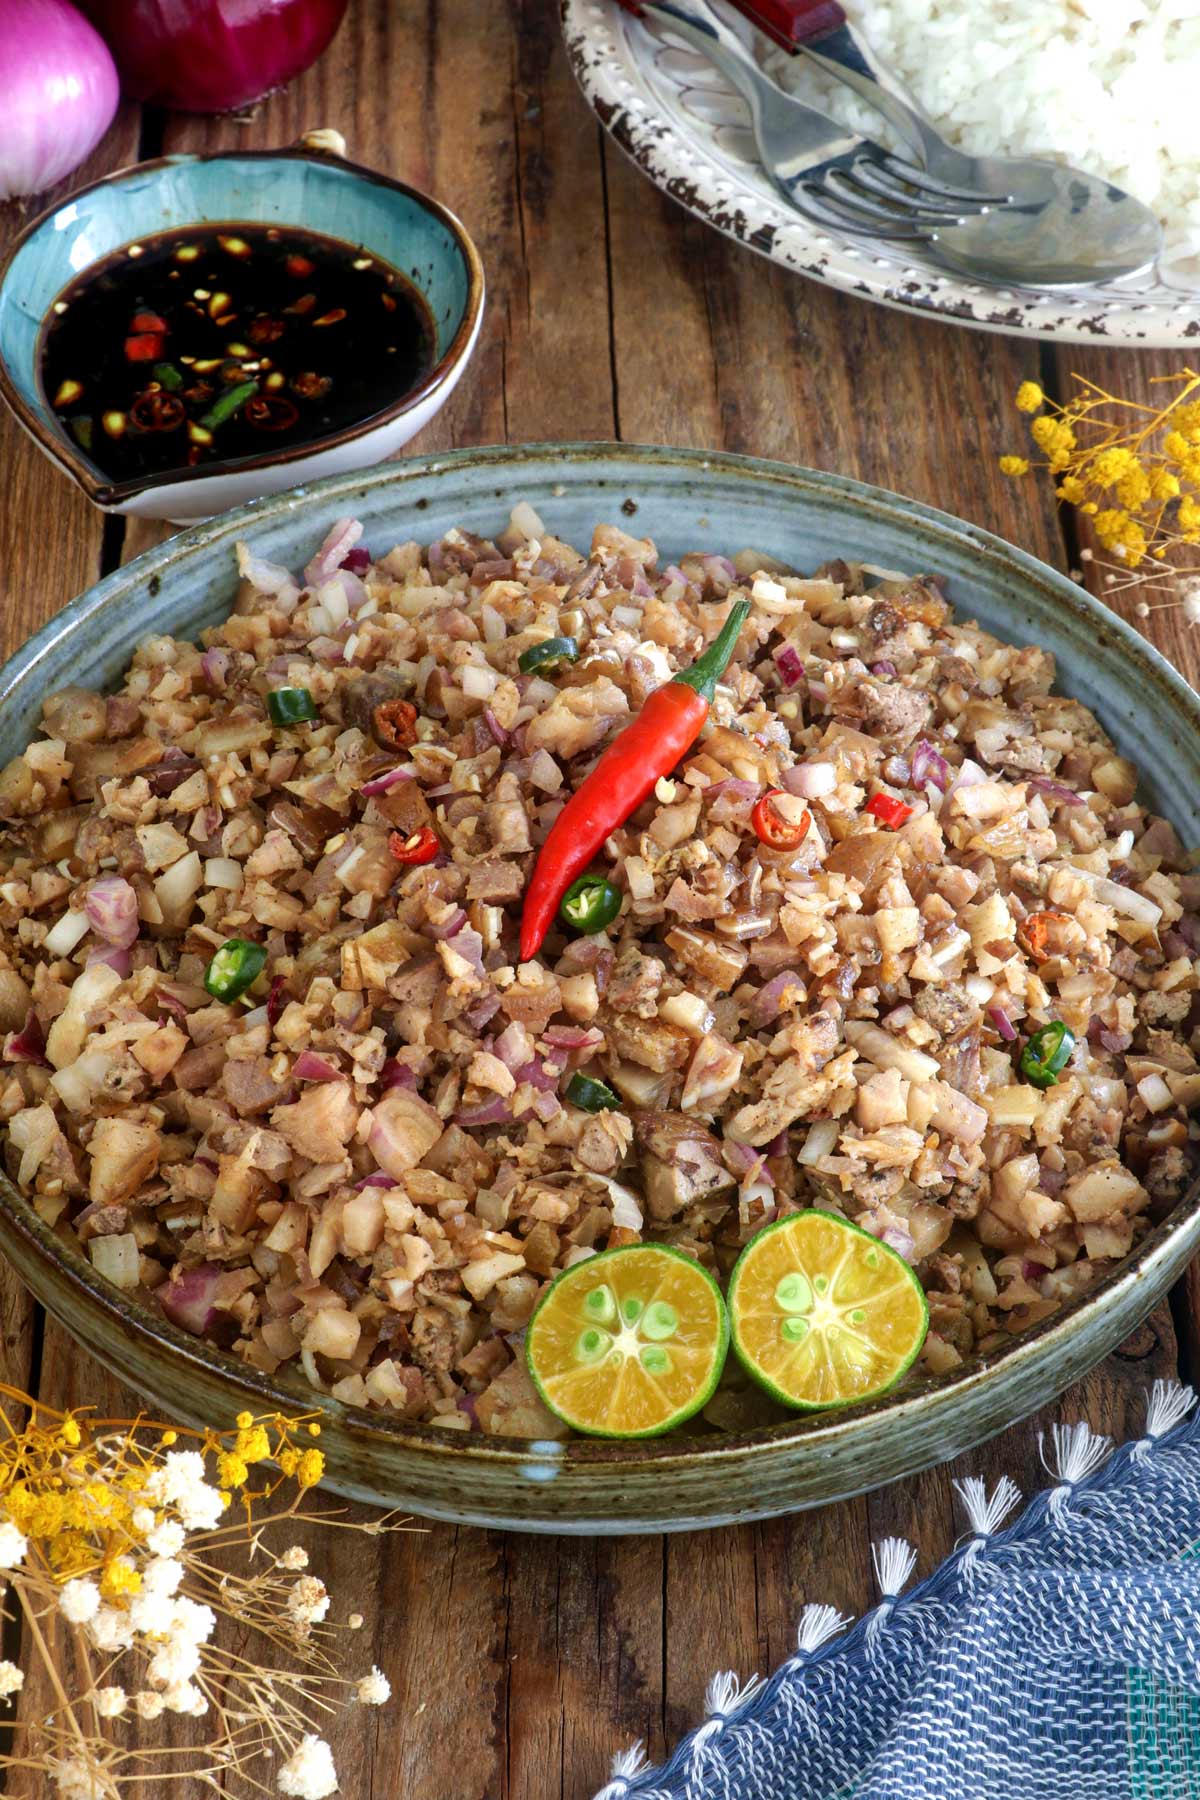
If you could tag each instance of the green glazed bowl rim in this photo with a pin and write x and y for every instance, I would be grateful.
(821, 1433)
(109, 493)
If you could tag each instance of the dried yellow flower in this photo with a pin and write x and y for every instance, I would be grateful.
(1014, 465)
(1029, 397)
(310, 1469)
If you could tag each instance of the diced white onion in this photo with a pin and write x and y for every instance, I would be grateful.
(821, 1141)
(1124, 900)
(62, 938)
(494, 628)
(1155, 1092)
(812, 780)
(116, 1258)
(478, 681)
(223, 872)
(526, 521)
(980, 989)
(640, 878)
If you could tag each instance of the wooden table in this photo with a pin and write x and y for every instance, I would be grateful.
(519, 1664)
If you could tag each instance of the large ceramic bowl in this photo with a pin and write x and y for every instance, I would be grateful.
(304, 186)
(685, 501)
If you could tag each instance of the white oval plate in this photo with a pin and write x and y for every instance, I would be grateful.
(689, 132)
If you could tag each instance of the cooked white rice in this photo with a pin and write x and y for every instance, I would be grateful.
(1110, 85)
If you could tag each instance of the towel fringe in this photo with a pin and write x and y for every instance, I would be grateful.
(1071, 1454)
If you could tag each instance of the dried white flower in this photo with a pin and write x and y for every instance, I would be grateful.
(193, 1622)
(112, 1629)
(162, 1575)
(184, 1698)
(152, 1613)
(76, 1779)
(309, 1774)
(142, 1520)
(179, 1482)
(79, 1601)
(173, 1662)
(12, 1680)
(1191, 608)
(308, 1600)
(374, 1689)
(355, 1621)
(148, 1706)
(110, 1702)
(167, 1538)
(294, 1558)
(13, 1545)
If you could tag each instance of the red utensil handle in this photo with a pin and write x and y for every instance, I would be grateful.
(793, 22)
(790, 22)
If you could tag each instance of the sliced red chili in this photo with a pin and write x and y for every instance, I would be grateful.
(145, 346)
(299, 266)
(156, 411)
(419, 847)
(148, 321)
(776, 832)
(1035, 933)
(888, 810)
(270, 412)
(265, 330)
(394, 723)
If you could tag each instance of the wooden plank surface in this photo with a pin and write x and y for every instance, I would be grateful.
(519, 1664)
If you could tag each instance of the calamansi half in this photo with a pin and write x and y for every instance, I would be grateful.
(630, 1342)
(822, 1313)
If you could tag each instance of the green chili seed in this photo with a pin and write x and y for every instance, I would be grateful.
(550, 654)
(228, 403)
(591, 1095)
(590, 903)
(1047, 1054)
(168, 376)
(291, 706)
(235, 967)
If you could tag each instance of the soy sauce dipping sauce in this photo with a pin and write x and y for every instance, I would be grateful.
(216, 343)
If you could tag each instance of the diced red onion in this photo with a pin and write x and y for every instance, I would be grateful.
(719, 572)
(327, 651)
(1051, 1180)
(547, 1107)
(818, 691)
(311, 1067)
(214, 665)
(112, 909)
(189, 1300)
(171, 1002)
(1188, 928)
(397, 1075)
(377, 1180)
(743, 1157)
(495, 727)
(357, 560)
(1054, 790)
(450, 926)
(899, 1240)
(928, 764)
(277, 999)
(491, 1112)
(545, 1079)
(573, 1037)
(483, 1010)
(790, 664)
(116, 956)
(1174, 943)
(896, 771)
(466, 1404)
(510, 1047)
(1115, 1042)
(1003, 1023)
(767, 1004)
(810, 781)
(969, 775)
(467, 943)
(172, 771)
(29, 1044)
(734, 788)
(1033, 1271)
(380, 784)
(335, 547)
(883, 668)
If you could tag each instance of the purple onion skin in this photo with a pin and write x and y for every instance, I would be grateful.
(60, 93)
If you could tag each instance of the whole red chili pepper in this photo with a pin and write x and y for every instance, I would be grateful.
(649, 747)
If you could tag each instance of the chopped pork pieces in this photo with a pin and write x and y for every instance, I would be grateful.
(367, 1163)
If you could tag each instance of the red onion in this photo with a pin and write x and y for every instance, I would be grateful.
(810, 781)
(60, 93)
(1003, 1024)
(277, 999)
(492, 1112)
(899, 1240)
(358, 560)
(884, 668)
(547, 1107)
(336, 546)
(535, 1073)
(1115, 1042)
(327, 651)
(1051, 1181)
(927, 764)
(790, 664)
(573, 1037)
(397, 1075)
(495, 727)
(117, 958)
(767, 1004)
(377, 1180)
(112, 909)
(212, 55)
(451, 926)
(379, 784)
(466, 1404)
(969, 775)
(1054, 790)
(189, 1298)
(469, 945)
(215, 666)
(311, 1067)
(483, 1011)
(172, 771)
(1033, 1271)
(719, 573)
(171, 1002)
(28, 1044)
(818, 691)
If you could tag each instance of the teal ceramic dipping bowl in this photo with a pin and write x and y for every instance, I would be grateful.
(303, 186)
(685, 501)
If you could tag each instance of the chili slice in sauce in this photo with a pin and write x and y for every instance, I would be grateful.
(419, 847)
(770, 826)
(888, 810)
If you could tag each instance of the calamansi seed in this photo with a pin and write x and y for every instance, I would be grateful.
(858, 1316)
(631, 1310)
(793, 1293)
(655, 1359)
(659, 1321)
(821, 1283)
(793, 1329)
(600, 1304)
(591, 1345)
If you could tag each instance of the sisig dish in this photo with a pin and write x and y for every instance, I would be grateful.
(895, 939)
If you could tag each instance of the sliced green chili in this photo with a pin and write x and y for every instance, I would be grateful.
(591, 1095)
(547, 656)
(168, 375)
(590, 903)
(291, 706)
(227, 404)
(235, 967)
(1047, 1054)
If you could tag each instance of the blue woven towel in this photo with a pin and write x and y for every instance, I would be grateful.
(1057, 1659)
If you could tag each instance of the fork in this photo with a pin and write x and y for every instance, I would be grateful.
(1049, 225)
(835, 176)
